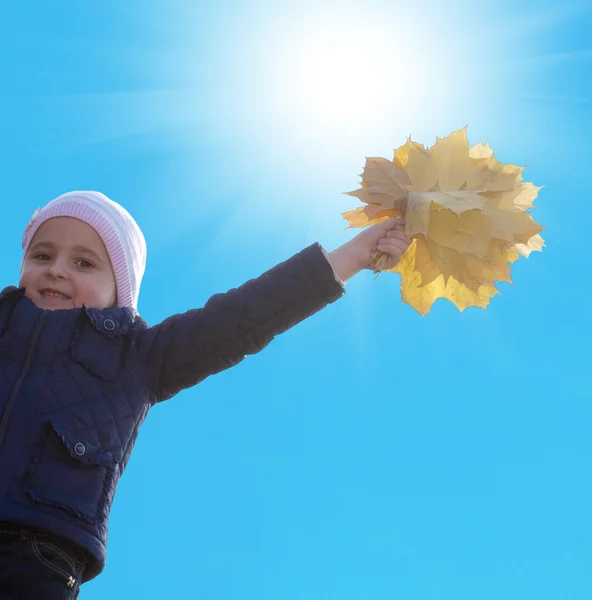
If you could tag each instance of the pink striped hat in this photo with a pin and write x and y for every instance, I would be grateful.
(121, 235)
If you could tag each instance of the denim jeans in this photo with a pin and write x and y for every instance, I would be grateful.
(36, 565)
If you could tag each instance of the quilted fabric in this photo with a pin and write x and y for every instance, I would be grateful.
(75, 386)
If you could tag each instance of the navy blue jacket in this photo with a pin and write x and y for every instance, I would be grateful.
(75, 386)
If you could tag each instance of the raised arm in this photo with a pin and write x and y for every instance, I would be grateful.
(186, 348)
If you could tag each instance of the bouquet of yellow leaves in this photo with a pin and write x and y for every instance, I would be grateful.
(466, 214)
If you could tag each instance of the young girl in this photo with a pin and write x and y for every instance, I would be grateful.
(79, 370)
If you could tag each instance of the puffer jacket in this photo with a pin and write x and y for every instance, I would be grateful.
(75, 386)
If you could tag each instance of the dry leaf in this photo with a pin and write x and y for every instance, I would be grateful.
(465, 211)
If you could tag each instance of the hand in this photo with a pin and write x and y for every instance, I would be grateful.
(357, 254)
(387, 237)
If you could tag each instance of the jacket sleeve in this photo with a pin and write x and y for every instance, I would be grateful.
(185, 349)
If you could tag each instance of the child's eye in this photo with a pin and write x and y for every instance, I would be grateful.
(81, 262)
(86, 264)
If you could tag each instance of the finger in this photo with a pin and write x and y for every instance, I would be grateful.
(400, 228)
(393, 247)
(394, 222)
(397, 234)
(395, 240)
(401, 244)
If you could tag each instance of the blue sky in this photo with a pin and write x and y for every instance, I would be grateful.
(367, 453)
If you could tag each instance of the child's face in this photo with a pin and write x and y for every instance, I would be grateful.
(67, 256)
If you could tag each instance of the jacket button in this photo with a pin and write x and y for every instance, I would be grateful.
(79, 449)
(108, 324)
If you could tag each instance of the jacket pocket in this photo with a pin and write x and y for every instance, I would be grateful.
(96, 347)
(73, 474)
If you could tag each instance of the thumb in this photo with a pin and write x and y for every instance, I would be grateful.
(392, 223)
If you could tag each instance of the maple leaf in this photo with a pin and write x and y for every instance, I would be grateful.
(465, 211)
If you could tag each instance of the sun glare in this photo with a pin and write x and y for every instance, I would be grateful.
(327, 80)
(339, 73)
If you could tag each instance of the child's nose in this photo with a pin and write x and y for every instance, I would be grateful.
(57, 268)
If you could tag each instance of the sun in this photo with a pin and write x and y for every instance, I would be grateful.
(326, 80)
(334, 74)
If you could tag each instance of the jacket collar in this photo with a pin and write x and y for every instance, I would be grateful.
(11, 292)
(111, 322)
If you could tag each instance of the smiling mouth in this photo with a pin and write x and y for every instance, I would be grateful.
(54, 294)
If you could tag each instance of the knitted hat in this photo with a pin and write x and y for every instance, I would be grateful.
(121, 235)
